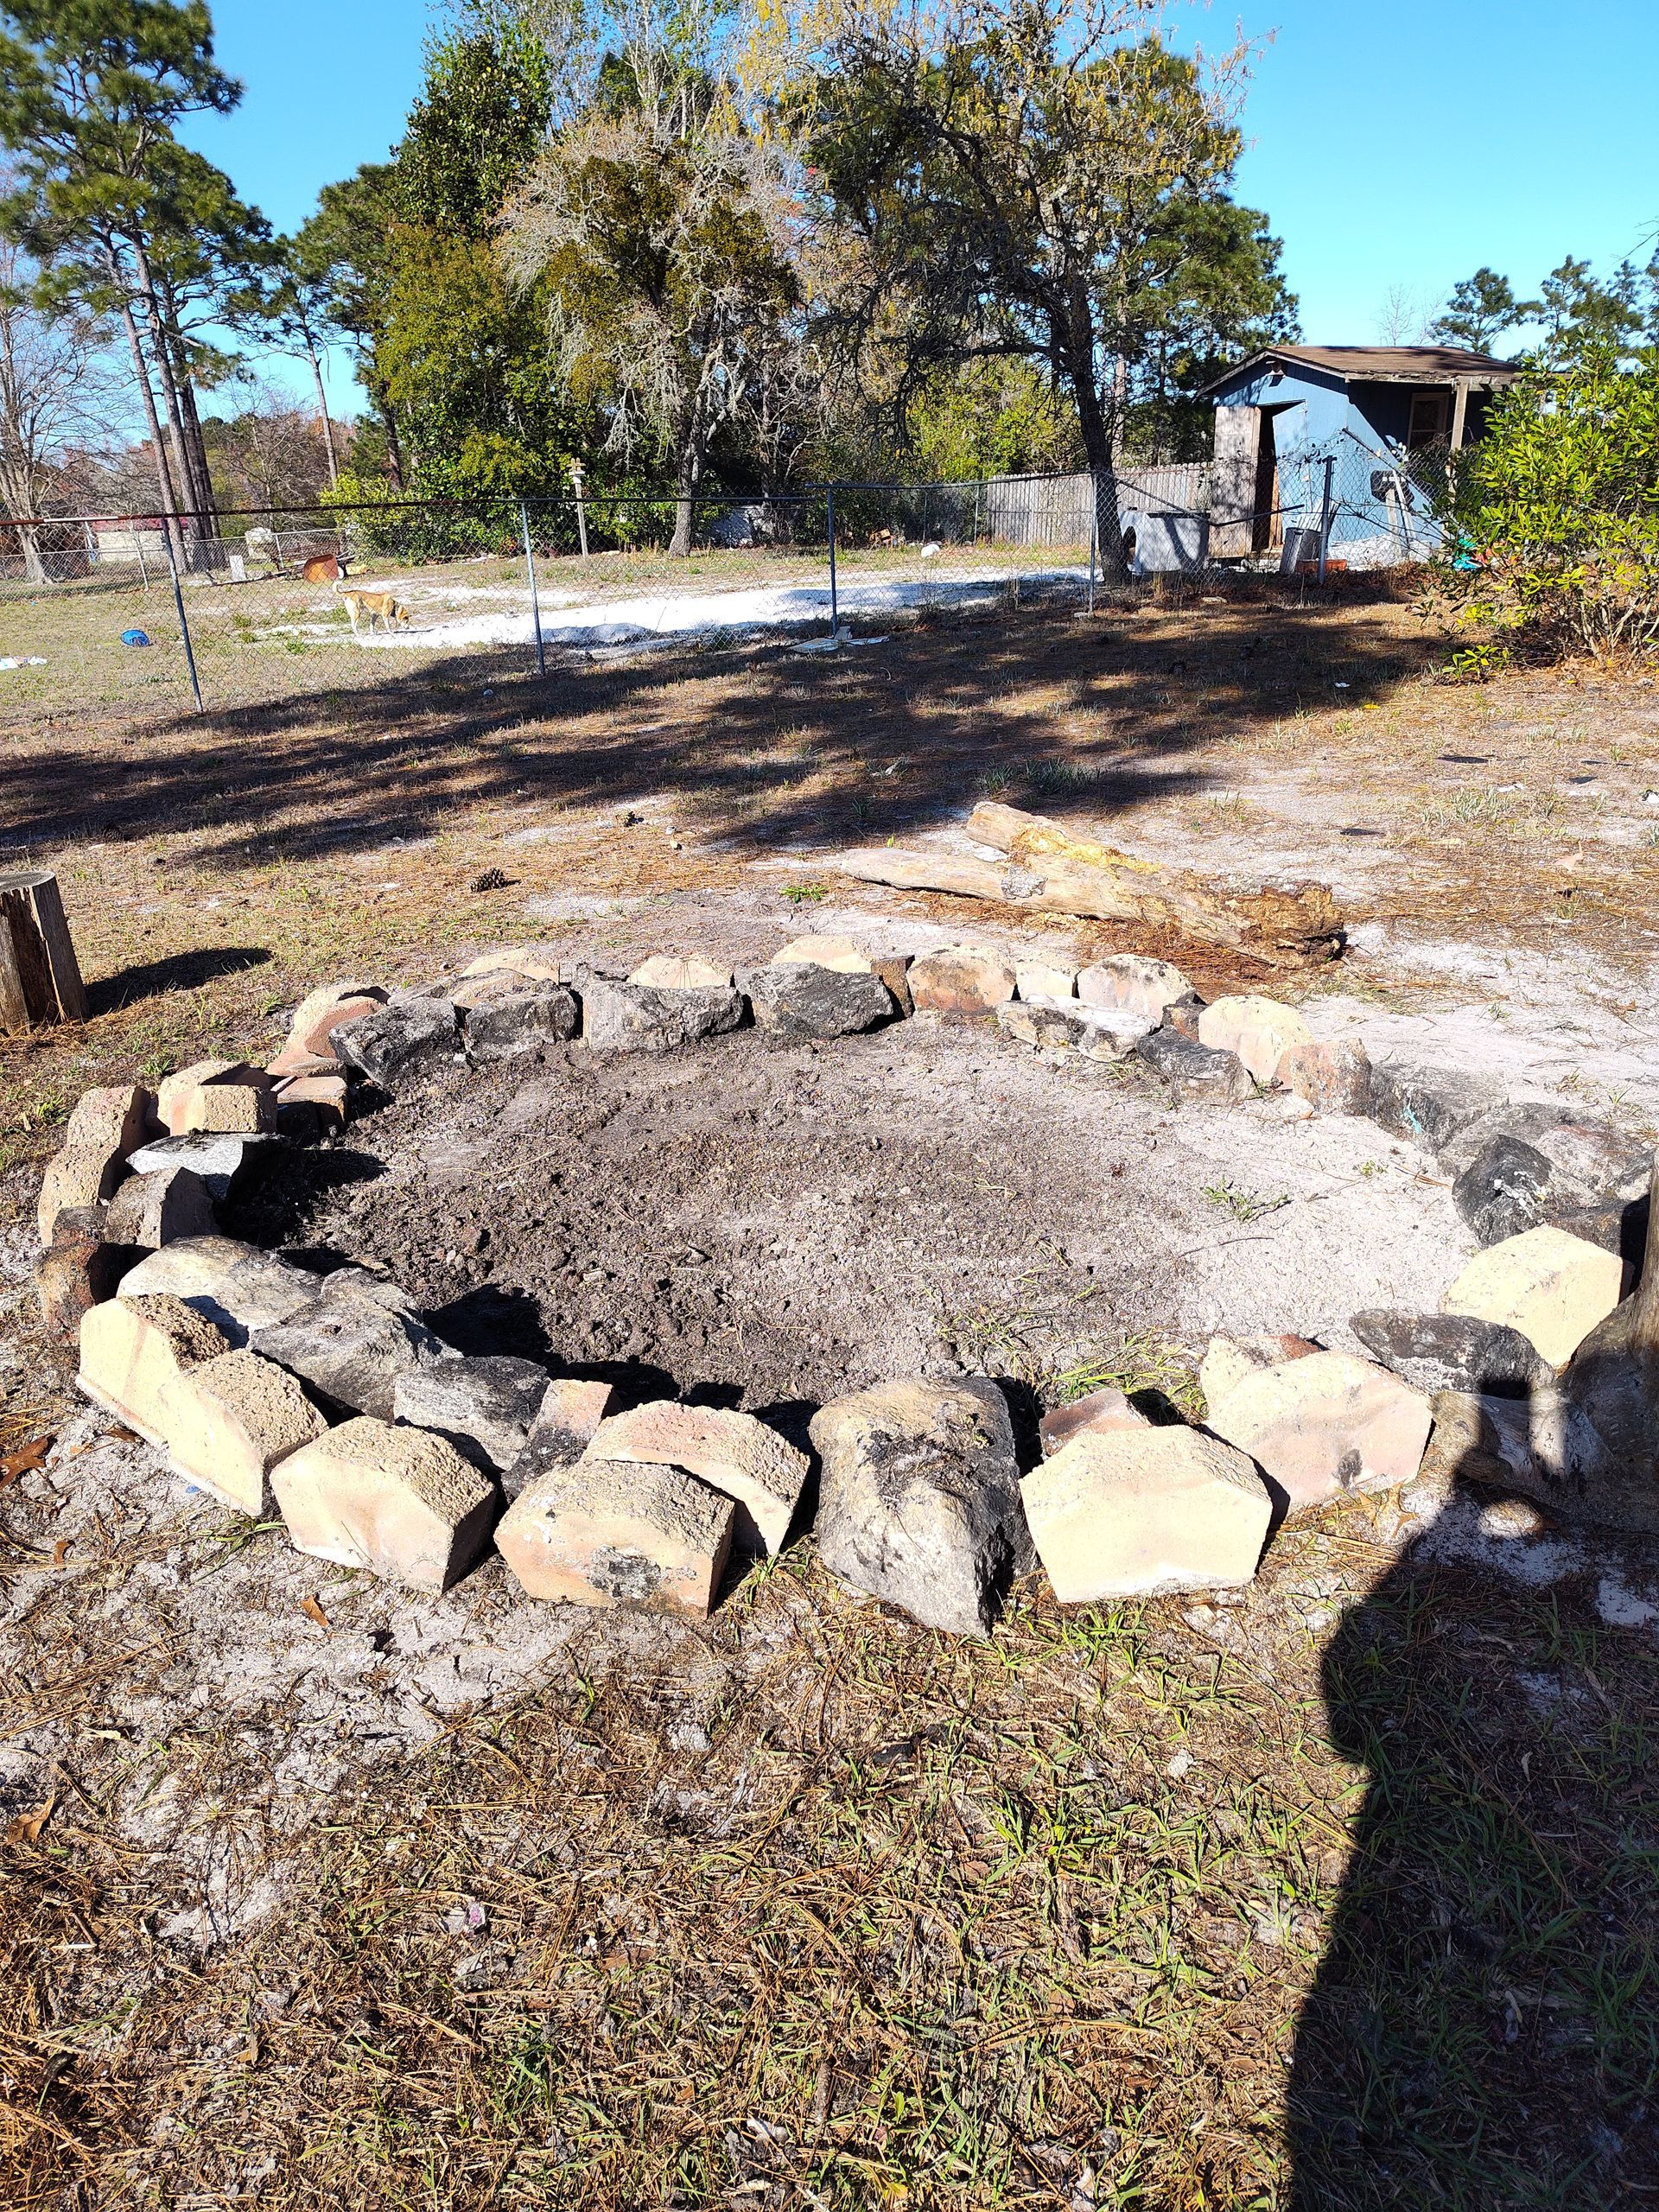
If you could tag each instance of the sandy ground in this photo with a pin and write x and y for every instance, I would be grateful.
(753, 1225)
(508, 1850)
(680, 614)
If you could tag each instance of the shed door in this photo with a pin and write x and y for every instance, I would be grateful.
(1232, 493)
(1269, 527)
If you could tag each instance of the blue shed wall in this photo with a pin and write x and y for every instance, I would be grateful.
(1362, 429)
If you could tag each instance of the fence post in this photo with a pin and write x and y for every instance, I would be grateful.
(582, 511)
(1325, 513)
(534, 603)
(184, 626)
(1094, 534)
(835, 604)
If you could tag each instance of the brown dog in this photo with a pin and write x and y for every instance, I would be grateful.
(374, 607)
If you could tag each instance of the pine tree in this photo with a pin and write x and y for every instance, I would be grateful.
(122, 218)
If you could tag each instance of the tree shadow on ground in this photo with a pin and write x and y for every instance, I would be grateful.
(180, 971)
(754, 746)
(1483, 2030)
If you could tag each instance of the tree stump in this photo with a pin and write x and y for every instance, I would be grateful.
(40, 976)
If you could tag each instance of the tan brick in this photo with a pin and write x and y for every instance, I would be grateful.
(1101, 1410)
(1333, 1079)
(324, 1094)
(318, 1015)
(1259, 1030)
(1326, 1425)
(173, 1089)
(80, 1175)
(399, 1502)
(118, 1118)
(1129, 1513)
(565, 1423)
(1044, 979)
(837, 952)
(291, 1062)
(233, 1108)
(536, 964)
(132, 1348)
(668, 971)
(229, 1422)
(610, 1531)
(576, 1405)
(732, 1451)
(1228, 1359)
(151, 1210)
(960, 979)
(1552, 1286)
(1135, 984)
(893, 970)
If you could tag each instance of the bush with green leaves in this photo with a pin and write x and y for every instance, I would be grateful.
(1558, 504)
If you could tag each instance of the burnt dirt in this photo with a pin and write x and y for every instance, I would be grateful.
(765, 1226)
(751, 1225)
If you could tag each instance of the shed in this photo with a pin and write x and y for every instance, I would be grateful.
(1343, 442)
(123, 538)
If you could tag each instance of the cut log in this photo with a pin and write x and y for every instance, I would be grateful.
(40, 976)
(1053, 872)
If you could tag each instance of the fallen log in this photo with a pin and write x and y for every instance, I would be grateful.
(967, 878)
(1053, 872)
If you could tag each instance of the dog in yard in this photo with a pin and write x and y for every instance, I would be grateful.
(373, 606)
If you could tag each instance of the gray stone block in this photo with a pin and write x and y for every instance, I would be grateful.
(521, 1022)
(918, 1499)
(1192, 1070)
(484, 1407)
(168, 1203)
(620, 1017)
(236, 1285)
(1453, 1351)
(352, 1350)
(797, 999)
(1428, 1105)
(218, 1159)
(408, 1038)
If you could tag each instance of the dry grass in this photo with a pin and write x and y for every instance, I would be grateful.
(1342, 1897)
(818, 1907)
(214, 867)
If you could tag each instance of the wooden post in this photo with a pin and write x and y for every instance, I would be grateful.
(40, 976)
(576, 472)
(534, 603)
(1459, 411)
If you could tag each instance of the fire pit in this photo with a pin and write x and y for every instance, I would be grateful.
(635, 1277)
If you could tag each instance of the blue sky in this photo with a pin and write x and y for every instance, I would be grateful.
(1395, 147)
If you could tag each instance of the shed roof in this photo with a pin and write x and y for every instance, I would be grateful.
(1379, 365)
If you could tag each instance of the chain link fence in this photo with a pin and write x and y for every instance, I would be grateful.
(143, 610)
(1345, 507)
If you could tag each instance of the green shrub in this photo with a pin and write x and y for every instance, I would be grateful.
(1558, 507)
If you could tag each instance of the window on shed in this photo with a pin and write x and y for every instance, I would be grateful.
(1431, 419)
